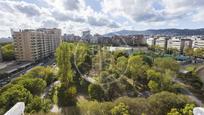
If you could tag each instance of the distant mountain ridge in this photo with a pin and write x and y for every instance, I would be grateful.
(168, 32)
(6, 40)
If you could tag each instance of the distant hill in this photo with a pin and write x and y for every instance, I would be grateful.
(6, 40)
(168, 32)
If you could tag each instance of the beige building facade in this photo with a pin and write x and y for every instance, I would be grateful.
(33, 45)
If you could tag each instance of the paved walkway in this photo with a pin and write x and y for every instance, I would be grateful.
(55, 109)
(201, 74)
(89, 79)
(189, 93)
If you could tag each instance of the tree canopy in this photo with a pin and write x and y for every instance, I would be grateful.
(8, 52)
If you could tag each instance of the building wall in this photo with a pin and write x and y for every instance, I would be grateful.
(161, 42)
(33, 45)
(150, 42)
(198, 42)
(175, 42)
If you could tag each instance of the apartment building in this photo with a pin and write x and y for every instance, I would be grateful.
(33, 45)
(132, 40)
(150, 41)
(198, 41)
(175, 42)
(180, 43)
(161, 42)
(71, 38)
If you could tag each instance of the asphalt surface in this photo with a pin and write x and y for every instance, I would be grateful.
(8, 79)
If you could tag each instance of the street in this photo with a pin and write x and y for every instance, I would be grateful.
(5, 81)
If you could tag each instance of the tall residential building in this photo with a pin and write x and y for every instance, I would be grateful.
(180, 43)
(175, 42)
(162, 42)
(151, 41)
(86, 35)
(33, 45)
(70, 38)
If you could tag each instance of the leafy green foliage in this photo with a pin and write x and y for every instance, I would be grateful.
(162, 102)
(137, 68)
(96, 92)
(174, 111)
(46, 73)
(8, 52)
(121, 64)
(37, 104)
(35, 85)
(188, 51)
(27, 88)
(69, 59)
(120, 109)
(163, 64)
(63, 57)
(67, 96)
(157, 104)
(187, 110)
(95, 108)
(12, 95)
(154, 87)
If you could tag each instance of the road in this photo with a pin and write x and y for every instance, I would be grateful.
(7, 80)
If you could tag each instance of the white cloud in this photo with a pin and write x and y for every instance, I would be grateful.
(74, 15)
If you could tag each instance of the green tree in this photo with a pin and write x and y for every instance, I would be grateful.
(167, 80)
(37, 104)
(35, 85)
(12, 95)
(153, 86)
(173, 51)
(153, 75)
(119, 53)
(8, 52)
(46, 73)
(161, 103)
(120, 109)
(163, 64)
(188, 109)
(137, 68)
(49, 75)
(36, 72)
(71, 57)
(96, 92)
(189, 52)
(198, 53)
(148, 60)
(121, 64)
(102, 60)
(67, 96)
(63, 57)
(174, 111)
(94, 107)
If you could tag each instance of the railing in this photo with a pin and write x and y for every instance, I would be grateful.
(198, 111)
(17, 109)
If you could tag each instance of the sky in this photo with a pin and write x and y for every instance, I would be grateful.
(100, 16)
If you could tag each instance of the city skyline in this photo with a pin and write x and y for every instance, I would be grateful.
(100, 16)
